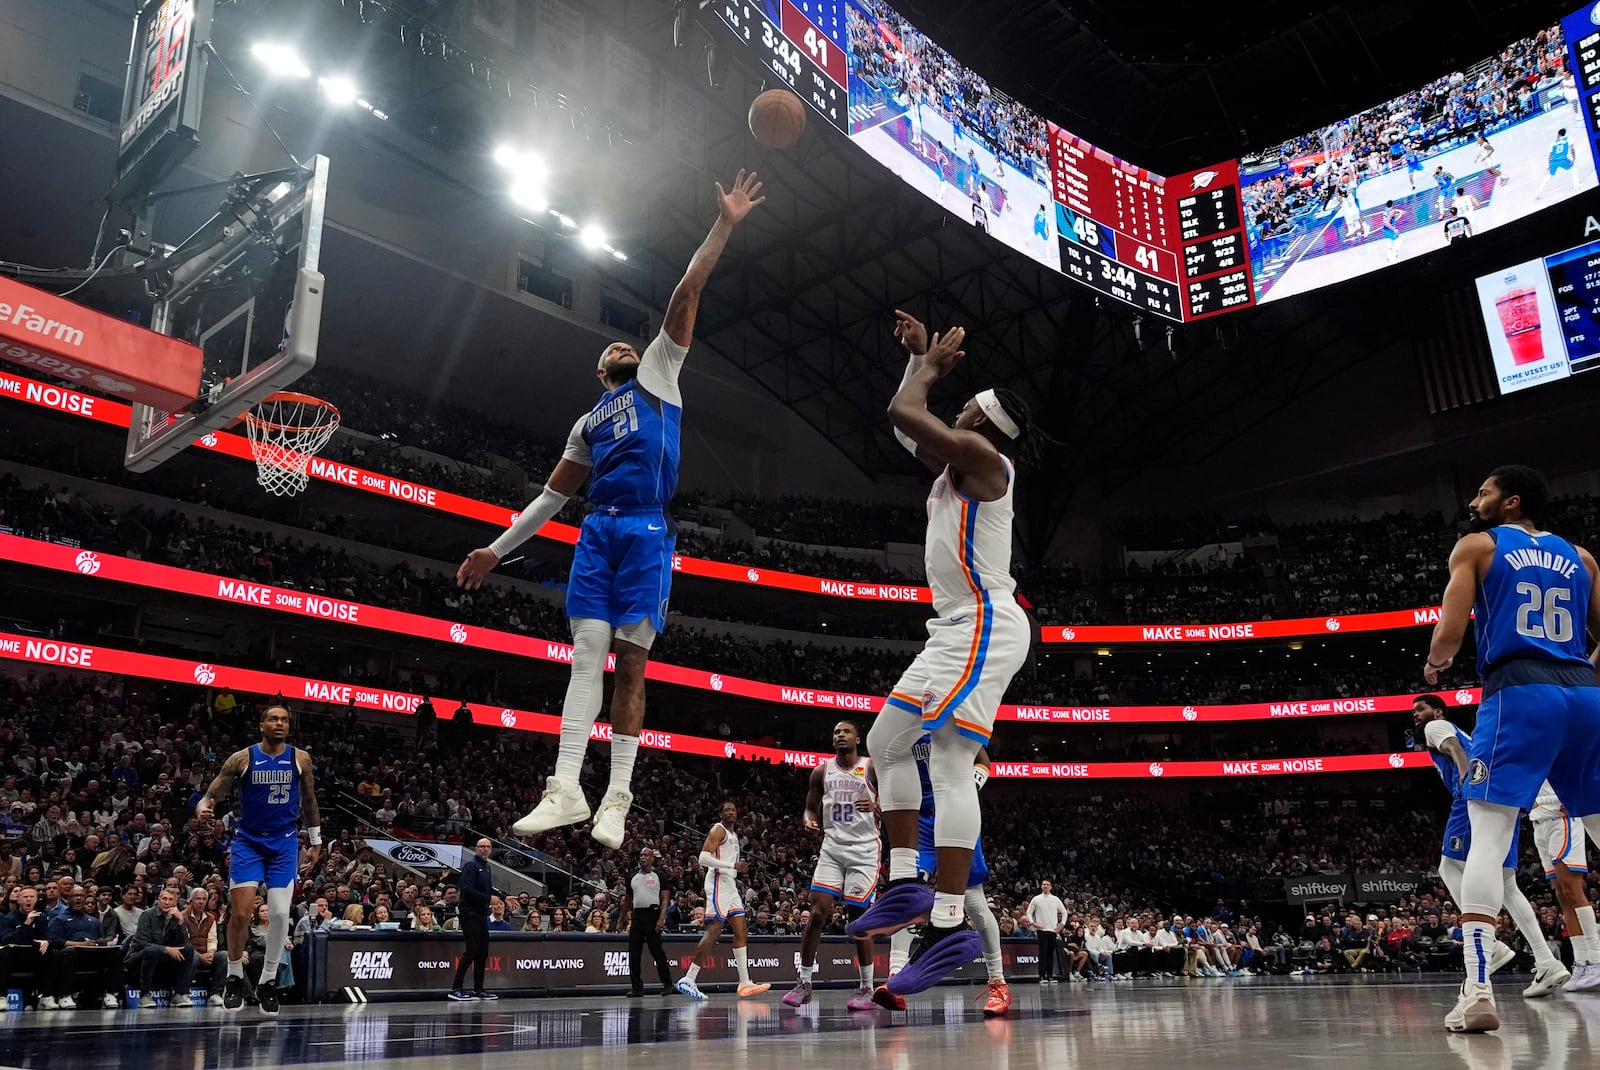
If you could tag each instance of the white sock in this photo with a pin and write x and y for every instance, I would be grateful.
(866, 974)
(949, 910)
(1589, 939)
(808, 972)
(624, 749)
(236, 968)
(569, 755)
(741, 959)
(269, 970)
(902, 863)
(899, 951)
(997, 970)
(1477, 938)
(692, 973)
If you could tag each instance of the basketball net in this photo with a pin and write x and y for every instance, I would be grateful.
(286, 431)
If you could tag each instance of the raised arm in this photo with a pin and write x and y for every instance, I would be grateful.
(1467, 563)
(310, 812)
(732, 206)
(236, 766)
(814, 800)
(968, 453)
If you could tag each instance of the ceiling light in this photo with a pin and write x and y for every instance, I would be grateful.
(280, 59)
(592, 236)
(339, 90)
(620, 255)
(529, 195)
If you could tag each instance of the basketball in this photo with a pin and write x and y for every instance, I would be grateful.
(777, 118)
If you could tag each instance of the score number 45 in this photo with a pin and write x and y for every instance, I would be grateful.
(1088, 233)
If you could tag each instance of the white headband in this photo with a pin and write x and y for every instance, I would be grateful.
(997, 413)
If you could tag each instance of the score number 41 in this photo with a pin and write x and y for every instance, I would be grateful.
(1087, 232)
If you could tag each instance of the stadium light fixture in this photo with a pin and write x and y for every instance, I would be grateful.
(592, 236)
(280, 59)
(529, 195)
(339, 90)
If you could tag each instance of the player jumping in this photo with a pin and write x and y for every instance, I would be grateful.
(978, 638)
(720, 859)
(626, 447)
(997, 997)
(1448, 746)
(842, 801)
(278, 786)
(1532, 595)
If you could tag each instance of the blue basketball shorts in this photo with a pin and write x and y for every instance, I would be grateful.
(266, 863)
(1530, 733)
(622, 569)
(1458, 836)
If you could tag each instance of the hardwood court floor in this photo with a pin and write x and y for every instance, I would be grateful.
(1359, 1024)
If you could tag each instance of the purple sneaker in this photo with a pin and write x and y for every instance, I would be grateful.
(862, 1000)
(798, 996)
(941, 954)
(897, 906)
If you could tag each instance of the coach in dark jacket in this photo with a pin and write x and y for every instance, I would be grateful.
(161, 943)
(78, 965)
(476, 891)
(24, 938)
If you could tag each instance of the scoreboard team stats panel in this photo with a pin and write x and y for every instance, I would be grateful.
(1387, 184)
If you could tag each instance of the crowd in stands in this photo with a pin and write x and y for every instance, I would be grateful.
(1447, 112)
(99, 777)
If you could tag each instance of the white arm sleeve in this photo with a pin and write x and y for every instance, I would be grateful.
(711, 861)
(541, 509)
(900, 436)
(659, 368)
(1437, 731)
(577, 449)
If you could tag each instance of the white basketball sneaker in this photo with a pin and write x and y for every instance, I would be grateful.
(1547, 979)
(611, 820)
(562, 804)
(1474, 1011)
(1585, 978)
(1499, 956)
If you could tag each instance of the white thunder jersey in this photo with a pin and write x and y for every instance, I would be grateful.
(727, 852)
(845, 829)
(1547, 807)
(968, 549)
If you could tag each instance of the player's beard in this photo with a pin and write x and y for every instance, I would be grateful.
(623, 372)
(1477, 522)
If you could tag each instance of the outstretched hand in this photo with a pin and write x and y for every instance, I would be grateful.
(945, 351)
(735, 203)
(913, 334)
(479, 563)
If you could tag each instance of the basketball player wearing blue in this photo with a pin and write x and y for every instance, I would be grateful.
(1561, 159)
(997, 999)
(626, 448)
(1532, 594)
(1448, 746)
(276, 789)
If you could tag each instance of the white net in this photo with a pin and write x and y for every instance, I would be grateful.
(286, 431)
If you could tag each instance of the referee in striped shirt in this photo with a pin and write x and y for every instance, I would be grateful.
(648, 919)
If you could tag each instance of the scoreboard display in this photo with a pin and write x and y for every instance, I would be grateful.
(806, 57)
(1309, 212)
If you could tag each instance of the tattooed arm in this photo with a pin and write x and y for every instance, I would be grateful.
(236, 766)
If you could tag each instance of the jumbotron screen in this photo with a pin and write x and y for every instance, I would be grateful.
(1543, 317)
(1472, 150)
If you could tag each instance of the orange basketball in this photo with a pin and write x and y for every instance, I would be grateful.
(777, 118)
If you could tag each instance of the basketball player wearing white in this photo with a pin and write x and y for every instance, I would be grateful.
(1559, 837)
(977, 640)
(842, 800)
(622, 565)
(724, 905)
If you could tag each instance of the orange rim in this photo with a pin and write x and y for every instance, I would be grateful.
(290, 397)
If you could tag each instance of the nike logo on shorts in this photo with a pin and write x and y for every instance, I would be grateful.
(958, 620)
(654, 527)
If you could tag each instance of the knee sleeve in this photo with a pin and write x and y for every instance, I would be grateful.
(591, 644)
(1483, 882)
(889, 741)
(957, 818)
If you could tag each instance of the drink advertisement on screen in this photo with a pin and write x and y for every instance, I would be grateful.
(1525, 336)
(1492, 142)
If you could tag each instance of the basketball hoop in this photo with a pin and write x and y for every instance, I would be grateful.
(286, 431)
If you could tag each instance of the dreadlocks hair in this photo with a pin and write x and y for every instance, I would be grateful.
(1031, 441)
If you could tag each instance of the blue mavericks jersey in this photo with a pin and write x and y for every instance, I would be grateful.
(633, 440)
(1447, 766)
(269, 800)
(1533, 602)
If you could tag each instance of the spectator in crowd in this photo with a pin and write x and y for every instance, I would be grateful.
(497, 916)
(160, 949)
(24, 938)
(1047, 914)
(77, 963)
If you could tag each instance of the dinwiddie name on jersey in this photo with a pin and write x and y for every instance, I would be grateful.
(1533, 557)
(605, 412)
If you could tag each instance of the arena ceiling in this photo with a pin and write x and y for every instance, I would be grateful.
(803, 303)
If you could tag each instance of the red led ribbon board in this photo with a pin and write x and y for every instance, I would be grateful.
(104, 566)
